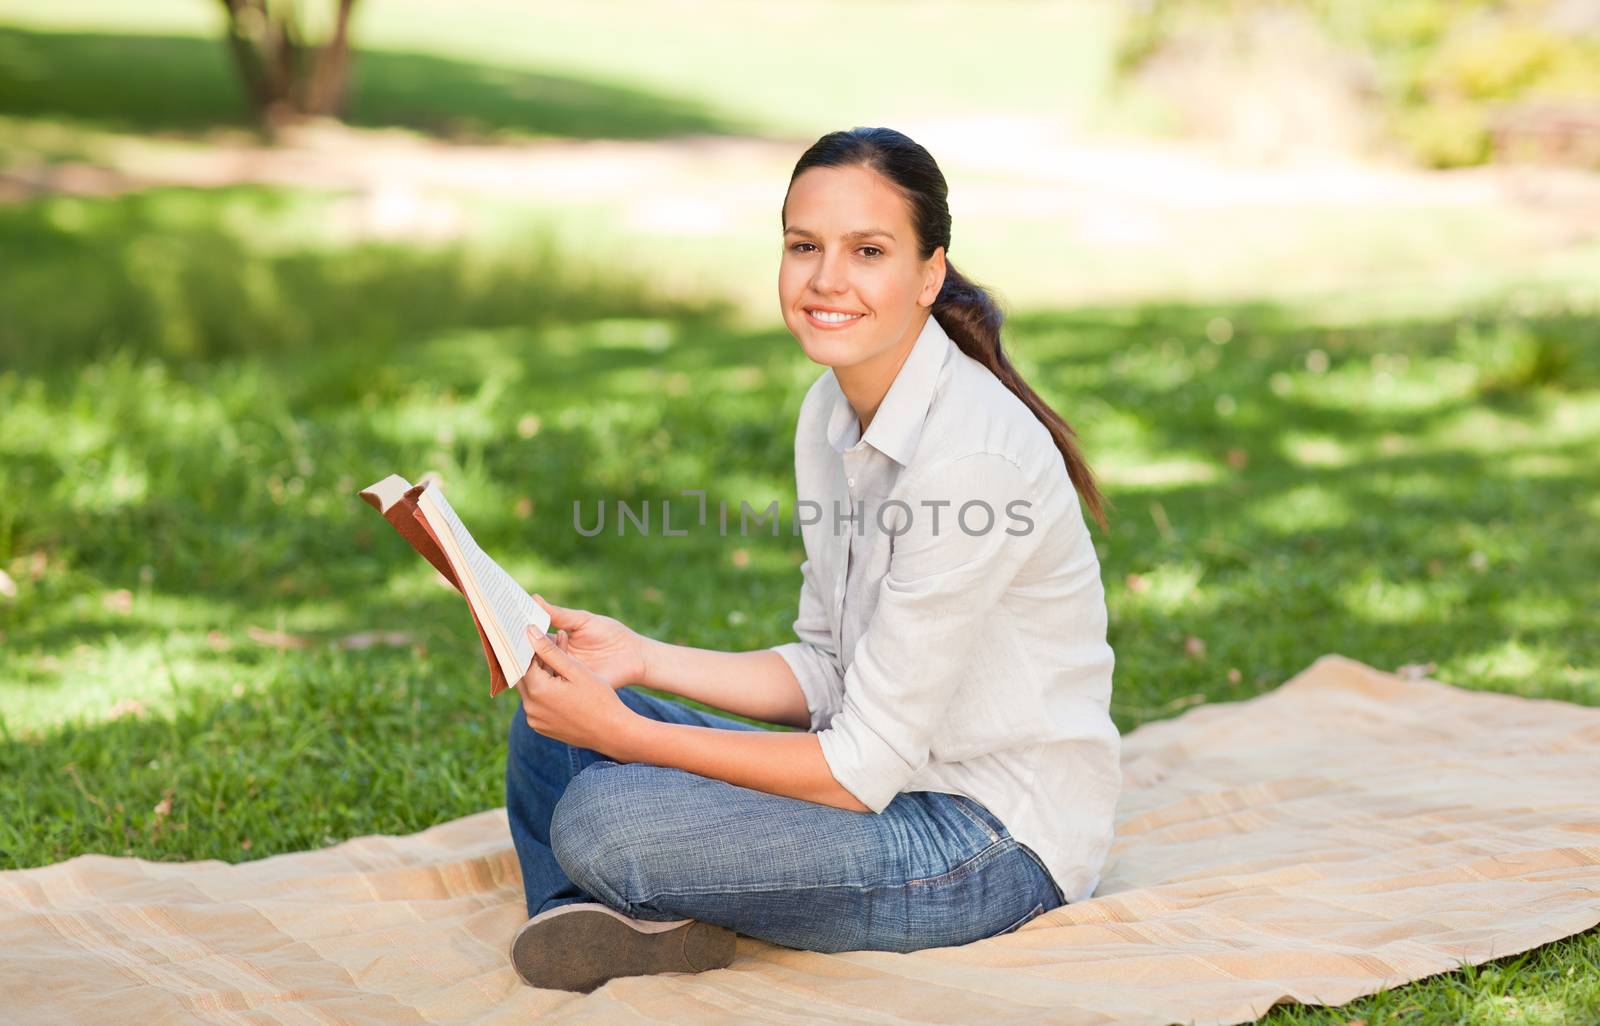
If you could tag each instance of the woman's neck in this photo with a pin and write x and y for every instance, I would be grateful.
(865, 384)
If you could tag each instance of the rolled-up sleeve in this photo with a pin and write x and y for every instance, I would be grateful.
(812, 659)
(942, 584)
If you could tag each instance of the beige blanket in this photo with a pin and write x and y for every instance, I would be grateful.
(1349, 831)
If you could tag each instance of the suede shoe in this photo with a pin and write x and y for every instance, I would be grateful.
(580, 946)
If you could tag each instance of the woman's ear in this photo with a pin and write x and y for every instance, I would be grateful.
(932, 278)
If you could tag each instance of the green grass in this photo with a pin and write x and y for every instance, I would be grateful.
(191, 399)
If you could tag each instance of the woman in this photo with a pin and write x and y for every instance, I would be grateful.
(954, 772)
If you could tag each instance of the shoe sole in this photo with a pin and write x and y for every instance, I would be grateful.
(580, 946)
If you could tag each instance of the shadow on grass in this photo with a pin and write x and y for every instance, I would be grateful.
(178, 84)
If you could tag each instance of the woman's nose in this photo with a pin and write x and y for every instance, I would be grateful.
(830, 276)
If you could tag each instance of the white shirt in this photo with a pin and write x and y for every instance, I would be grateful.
(935, 654)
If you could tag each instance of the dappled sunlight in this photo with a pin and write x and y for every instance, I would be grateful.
(1414, 480)
(649, 335)
(1424, 385)
(1531, 611)
(1540, 464)
(1170, 588)
(1315, 450)
(1155, 474)
(1517, 665)
(1304, 507)
(1550, 422)
(88, 658)
(1377, 599)
(429, 418)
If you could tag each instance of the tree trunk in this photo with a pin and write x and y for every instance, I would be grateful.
(287, 80)
(330, 85)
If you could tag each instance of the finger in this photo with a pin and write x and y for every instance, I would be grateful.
(563, 639)
(563, 663)
(539, 669)
(560, 616)
(530, 682)
(539, 675)
(549, 607)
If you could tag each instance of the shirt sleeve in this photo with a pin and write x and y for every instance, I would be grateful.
(942, 585)
(812, 658)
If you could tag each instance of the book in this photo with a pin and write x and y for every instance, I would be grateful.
(501, 609)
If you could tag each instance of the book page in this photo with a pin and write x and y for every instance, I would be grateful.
(387, 492)
(505, 609)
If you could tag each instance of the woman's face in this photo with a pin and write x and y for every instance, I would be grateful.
(848, 247)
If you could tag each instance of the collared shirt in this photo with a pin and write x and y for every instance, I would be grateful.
(952, 620)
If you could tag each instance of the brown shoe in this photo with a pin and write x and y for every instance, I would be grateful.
(584, 944)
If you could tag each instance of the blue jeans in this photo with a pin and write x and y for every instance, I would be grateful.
(654, 842)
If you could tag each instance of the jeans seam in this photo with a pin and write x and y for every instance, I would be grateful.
(997, 848)
(960, 802)
(1061, 895)
(1032, 914)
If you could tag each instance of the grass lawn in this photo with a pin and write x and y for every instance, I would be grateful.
(211, 648)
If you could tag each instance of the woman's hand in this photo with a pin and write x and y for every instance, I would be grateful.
(608, 648)
(563, 699)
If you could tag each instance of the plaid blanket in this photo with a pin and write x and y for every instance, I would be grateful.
(1349, 831)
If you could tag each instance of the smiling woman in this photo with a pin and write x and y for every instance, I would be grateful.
(955, 770)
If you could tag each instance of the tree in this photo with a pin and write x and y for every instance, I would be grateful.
(287, 78)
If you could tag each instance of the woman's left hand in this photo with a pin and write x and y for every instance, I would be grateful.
(564, 700)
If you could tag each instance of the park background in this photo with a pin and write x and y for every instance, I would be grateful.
(1317, 283)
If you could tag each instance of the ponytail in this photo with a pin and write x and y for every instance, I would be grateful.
(970, 316)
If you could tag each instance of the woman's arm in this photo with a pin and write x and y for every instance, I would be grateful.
(773, 761)
(786, 763)
(756, 684)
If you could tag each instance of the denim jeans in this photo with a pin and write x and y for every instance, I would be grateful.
(654, 842)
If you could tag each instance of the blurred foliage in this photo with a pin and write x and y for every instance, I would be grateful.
(1443, 70)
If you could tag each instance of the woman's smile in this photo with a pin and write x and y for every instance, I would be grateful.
(830, 319)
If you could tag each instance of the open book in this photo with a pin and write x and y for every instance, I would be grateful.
(501, 609)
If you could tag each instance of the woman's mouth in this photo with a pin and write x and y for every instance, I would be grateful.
(831, 319)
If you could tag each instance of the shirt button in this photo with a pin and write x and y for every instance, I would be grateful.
(851, 482)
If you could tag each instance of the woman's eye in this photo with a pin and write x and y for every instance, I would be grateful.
(875, 252)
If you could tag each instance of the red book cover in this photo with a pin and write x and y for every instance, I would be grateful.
(407, 519)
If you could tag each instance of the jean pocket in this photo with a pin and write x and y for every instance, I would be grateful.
(1033, 913)
(980, 815)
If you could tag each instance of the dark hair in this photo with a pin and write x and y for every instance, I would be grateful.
(965, 309)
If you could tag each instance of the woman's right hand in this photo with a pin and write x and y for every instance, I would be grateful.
(608, 647)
